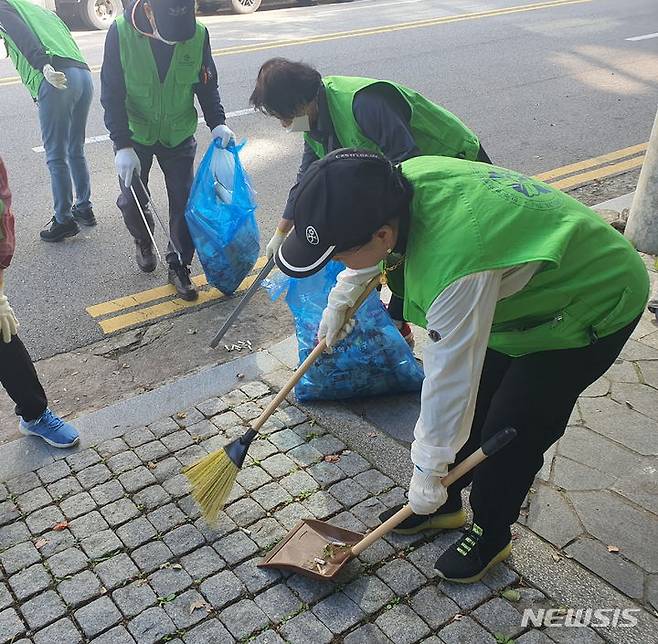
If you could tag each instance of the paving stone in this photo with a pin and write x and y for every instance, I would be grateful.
(255, 389)
(533, 637)
(137, 479)
(83, 459)
(151, 626)
(582, 635)
(500, 577)
(212, 407)
(202, 563)
(202, 430)
(639, 485)
(166, 469)
(210, 632)
(394, 497)
(338, 613)
(499, 617)
(377, 552)
(10, 625)
(243, 619)
(622, 574)
(8, 512)
(108, 492)
(43, 609)
(299, 484)
(135, 533)
(401, 576)
(326, 473)
(465, 630)
(138, 437)
(183, 539)
(309, 590)
(348, 521)
(100, 544)
(79, 588)
(62, 632)
(188, 417)
(571, 475)
(191, 455)
(111, 447)
(237, 492)
(177, 486)
(278, 603)
(119, 512)
(19, 556)
(189, 507)
(4, 492)
(348, 492)
(226, 421)
(76, 506)
(87, 525)
(44, 519)
(177, 440)
(181, 610)
(305, 455)
(373, 481)
(54, 471)
(286, 439)
(268, 637)
(466, 596)
(649, 370)
(369, 593)
(151, 497)
(167, 517)
(290, 515)
(434, 607)
(116, 571)
(134, 598)
(327, 444)
(278, 465)
(291, 416)
(367, 634)
(33, 500)
(271, 495)
(116, 635)
(30, 581)
(322, 505)
(5, 597)
(220, 528)
(352, 463)
(150, 452)
(267, 532)
(368, 511)
(236, 547)
(305, 628)
(123, 462)
(253, 477)
(67, 562)
(244, 512)
(255, 578)
(402, 625)
(94, 475)
(169, 581)
(641, 397)
(12, 534)
(162, 427)
(23, 483)
(652, 591)
(248, 411)
(260, 449)
(552, 517)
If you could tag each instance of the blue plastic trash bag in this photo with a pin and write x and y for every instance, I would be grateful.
(220, 216)
(374, 359)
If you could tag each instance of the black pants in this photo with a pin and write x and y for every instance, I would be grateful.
(20, 380)
(177, 165)
(535, 394)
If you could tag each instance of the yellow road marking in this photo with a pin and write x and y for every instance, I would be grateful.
(599, 173)
(369, 31)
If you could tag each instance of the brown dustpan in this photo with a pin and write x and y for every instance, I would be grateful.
(320, 550)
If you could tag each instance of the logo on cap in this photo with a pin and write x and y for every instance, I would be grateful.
(181, 10)
(312, 236)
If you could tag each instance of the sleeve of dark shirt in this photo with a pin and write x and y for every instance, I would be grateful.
(24, 39)
(113, 92)
(382, 115)
(207, 91)
(308, 157)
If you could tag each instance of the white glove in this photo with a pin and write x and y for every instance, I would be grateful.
(349, 286)
(223, 134)
(426, 492)
(55, 78)
(127, 163)
(275, 243)
(8, 322)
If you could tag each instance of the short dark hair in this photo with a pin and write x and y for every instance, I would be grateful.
(283, 86)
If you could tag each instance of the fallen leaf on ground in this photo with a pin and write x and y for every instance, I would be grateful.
(40, 543)
(199, 603)
(151, 465)
(176, 567)
(371, 434)
(613, 548)
(332, 458)
(458, 617)
(61, 526)
(511, 595)
(181, 414)
(556, 558)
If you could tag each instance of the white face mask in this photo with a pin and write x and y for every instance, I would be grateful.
(300, 124)
(156, 33)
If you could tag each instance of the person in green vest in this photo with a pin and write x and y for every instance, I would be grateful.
(346, 111)
(55, 73)
(157, 59)
(527, 295)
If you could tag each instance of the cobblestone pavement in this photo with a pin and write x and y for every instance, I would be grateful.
(107, 546)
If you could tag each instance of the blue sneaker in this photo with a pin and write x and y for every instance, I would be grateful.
(52, 429)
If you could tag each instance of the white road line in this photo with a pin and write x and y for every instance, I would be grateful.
(106, 137)
(645, 37)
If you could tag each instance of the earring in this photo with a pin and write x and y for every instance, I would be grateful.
(389, 251)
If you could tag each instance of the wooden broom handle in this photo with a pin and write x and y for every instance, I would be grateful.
(312, 357)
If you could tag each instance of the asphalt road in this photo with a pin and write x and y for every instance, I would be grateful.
(544, 85)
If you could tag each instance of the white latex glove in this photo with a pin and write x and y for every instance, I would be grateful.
(127, 163)
(426, 492)
(8, 322)
(274, 243)
(223, 134)
(349, 286)
(55, 78)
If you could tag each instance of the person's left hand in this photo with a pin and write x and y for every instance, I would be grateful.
(223, 134)
(8, 322)
(55, 78)
(426, 492)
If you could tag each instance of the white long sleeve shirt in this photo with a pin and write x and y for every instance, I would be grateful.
(460, 321)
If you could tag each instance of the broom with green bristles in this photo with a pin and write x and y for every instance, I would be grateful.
(213, 476)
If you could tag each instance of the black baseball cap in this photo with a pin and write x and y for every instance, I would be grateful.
(339, 203)
(175, 19)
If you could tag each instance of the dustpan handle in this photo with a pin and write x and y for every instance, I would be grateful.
(496, 442)
(312, 357)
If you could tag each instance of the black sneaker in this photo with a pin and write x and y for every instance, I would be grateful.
(441, 520)
(84, 217)
(146, 259)
(179, 276)
(468, 559)
(58, 231)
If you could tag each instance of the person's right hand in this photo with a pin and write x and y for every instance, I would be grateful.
(274, 243)
(333, 327)
(55, 78)
(8, 322)
(127, 163)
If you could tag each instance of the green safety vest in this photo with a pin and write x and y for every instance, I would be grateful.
(469, 217)
(50, 31)
(435, 130)
(160, 112)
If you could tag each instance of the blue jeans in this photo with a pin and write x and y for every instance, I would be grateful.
(63, 118)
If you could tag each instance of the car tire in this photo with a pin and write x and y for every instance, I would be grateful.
(245, 6)
(100, 14)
